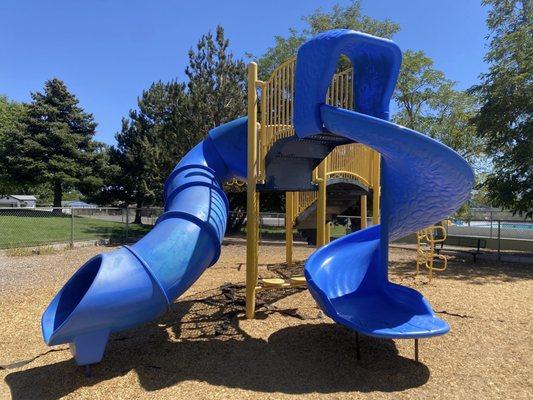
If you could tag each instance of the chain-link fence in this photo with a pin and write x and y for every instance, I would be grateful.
(23, 227)
(490, 223)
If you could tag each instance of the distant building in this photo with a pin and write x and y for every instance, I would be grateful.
(18, 201)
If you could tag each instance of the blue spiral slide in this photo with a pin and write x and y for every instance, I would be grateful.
(423, 182)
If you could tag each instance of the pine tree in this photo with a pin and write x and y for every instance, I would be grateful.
(172, 118)
(56, 147)
(149, 144)
(216, 87)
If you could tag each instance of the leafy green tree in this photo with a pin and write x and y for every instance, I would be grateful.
(56, 147)
(426, 101)
(11, 115)
(419, 85)
(504, 120)
(347, 17)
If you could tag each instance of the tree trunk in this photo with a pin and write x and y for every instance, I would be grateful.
(138, 216)
(58, 194)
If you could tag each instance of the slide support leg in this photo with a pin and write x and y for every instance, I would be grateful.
(376, 187)
(416, 350)
(357, 346)
(289, 220)
(321, 206)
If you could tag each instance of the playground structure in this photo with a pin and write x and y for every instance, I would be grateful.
(426, 254)
(307, 113)
(350, 172)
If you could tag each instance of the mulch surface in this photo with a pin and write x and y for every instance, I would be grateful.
(204, 348)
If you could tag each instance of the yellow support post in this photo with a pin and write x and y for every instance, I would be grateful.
(363, 211)
(252, 197)
(321, 206)
(376, 159)
(289, 220)
(328, 232)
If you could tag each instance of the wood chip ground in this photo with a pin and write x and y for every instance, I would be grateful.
(205, 349)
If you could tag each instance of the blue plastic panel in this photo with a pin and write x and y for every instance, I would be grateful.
(376, 63)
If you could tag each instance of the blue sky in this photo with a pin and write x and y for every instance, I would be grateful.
(108, 51)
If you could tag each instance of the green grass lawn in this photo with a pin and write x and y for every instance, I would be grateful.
(17, 231)
(338, 231)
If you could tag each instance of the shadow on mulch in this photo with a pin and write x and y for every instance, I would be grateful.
(478, 273)
(200, 340)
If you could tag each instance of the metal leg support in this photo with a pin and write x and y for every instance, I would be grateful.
(416, 350)
(357, 347)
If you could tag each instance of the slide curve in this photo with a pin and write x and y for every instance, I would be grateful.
(422, 182)
(135, 284)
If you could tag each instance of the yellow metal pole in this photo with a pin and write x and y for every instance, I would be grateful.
(289, 220)
(376, 159)
(363, 211)
(328, 232)
(321, 206)
(252, 197)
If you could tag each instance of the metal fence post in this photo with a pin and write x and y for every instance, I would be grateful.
(499, 240)
(71, 227)
(127, 224)
(491, 224)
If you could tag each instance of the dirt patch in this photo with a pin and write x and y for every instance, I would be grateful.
(204, 348)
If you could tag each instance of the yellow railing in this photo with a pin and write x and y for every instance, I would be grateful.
(304, 200)
(351, 161)
(276, 108)
(340, 93)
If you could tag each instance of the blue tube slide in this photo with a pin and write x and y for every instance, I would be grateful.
(135, 284)
(422, 182)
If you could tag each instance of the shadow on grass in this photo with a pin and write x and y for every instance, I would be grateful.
(464, 269)
(115, 234)
(201, 340)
